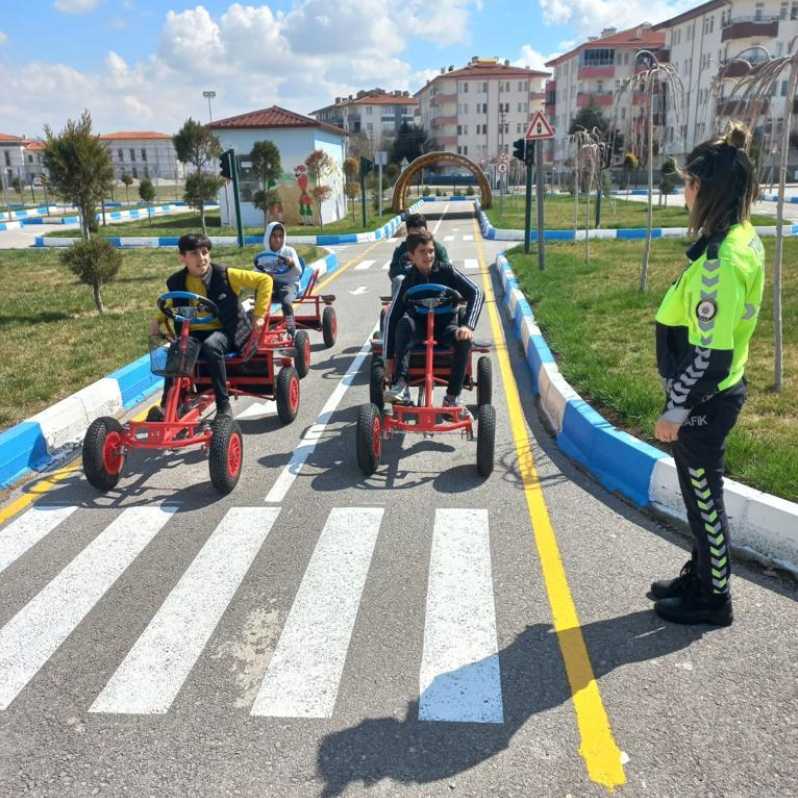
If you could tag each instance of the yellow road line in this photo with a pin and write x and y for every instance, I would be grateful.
(598, 747)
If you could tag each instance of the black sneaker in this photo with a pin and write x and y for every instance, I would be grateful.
(223, 409)
(671, 588)
(693, 607)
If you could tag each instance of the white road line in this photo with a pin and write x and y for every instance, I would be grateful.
(438, 223)
(359, 291)
(152, 674)
(448, 238)
(468, 238)
(361, 267)
(460, 678)
(34, 634)
(27, 530)
(305, 670)
(313, 435)
(471, 264)
(386, 266)
(257, 411)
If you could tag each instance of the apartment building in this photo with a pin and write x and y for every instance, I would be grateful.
(376, 113)
(593, 74)
(143, 153)
(704, 44)
(20, 158)
(481, 109)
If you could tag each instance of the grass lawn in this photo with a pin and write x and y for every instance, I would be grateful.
(55, 342)
(601, 330)
(180, 223)
(163, 193)
(615, 212)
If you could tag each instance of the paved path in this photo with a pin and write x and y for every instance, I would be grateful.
(422, 632)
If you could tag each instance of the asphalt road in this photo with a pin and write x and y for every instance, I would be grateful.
(421, 632)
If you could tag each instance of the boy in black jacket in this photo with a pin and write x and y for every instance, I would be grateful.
(415, 223)
(404, 328)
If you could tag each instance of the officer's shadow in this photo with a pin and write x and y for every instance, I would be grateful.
(533, 680)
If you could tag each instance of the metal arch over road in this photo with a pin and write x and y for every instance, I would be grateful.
(429, 159)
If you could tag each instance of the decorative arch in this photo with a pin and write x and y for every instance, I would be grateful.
(429, 159)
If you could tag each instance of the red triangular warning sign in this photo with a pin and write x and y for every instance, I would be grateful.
(539, 128)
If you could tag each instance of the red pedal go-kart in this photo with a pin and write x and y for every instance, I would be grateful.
(180, 425)
(308, 316)
(430, 365)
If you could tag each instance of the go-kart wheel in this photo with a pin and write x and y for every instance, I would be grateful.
(329, 326)
(287, 394)
(103, 458)
(369, 439)
(377, 383)
(302, 353)
(383, 311)
(486, 439)
(484, 381)
(226, 454)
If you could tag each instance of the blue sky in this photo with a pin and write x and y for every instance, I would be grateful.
(142, 64)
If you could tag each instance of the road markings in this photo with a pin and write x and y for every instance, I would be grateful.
(152, 674)
(448, 238)
(359, 291)
(338, 272)
(471, 264)
(314, 434)
(257, 411)
(438, 223)
(27, 530)
(468, 238)
(460, 678)
(598, 748)
(364, 266)
(33, 635)
(306, 667)
(386, 266)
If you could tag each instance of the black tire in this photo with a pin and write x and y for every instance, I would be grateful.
(484, 381)
(329, 326)
(369, 439)
(383, 311)
(287, 394)
(101, 464)
(226, 454)
(377, 383)
(302, 353)
(486, 439)
(155, 413)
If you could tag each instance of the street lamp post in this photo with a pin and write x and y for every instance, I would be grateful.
(209, 95)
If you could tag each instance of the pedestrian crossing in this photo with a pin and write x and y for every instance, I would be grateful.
(459, 670)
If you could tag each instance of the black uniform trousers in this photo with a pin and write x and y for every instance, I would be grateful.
(410, 331)
(215, 345)
(699, 455)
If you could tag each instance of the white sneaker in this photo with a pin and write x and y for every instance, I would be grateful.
(399, 392)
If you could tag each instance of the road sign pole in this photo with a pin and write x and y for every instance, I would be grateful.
(231, 154)
(380, 188)
(539, 170)
(528, 209)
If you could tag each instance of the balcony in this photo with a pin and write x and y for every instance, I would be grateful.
(443, 121)
(442, 99)
(750, 27)
(586, 72)
(584, 99)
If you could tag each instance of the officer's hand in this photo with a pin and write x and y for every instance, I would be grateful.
(666, 431)
(464, 334)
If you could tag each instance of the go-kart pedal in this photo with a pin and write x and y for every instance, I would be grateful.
(398, 394)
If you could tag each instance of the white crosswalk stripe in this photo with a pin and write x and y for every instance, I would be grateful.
(386, 266)
(158, 664)
(35, 633)
(448, 238)
(468, 238)
(460, 678)
(364, 266)
(27, 530)
(471, 264)
(304, 672)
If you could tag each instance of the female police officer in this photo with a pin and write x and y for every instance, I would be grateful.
(704, 325)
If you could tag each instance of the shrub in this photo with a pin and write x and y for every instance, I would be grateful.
(95, 262)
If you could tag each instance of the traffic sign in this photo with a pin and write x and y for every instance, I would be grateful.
(501, 168)
(539, 128)
(504, 157)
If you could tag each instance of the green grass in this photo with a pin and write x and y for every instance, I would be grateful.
(163, 193)
(601, 330)
(55, 342)
(508, 213)
(180, 223)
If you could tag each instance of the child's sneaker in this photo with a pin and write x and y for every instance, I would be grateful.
(398, 392)
(456, 401)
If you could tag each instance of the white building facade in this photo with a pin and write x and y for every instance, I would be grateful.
(143, 154)
(20, 158)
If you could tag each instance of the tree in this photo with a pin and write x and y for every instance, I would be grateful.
(80, 168)
(588, 119)
(94, 262)
(45, 185)
(351, 169)
(630, 163)
(201, 189)
(264, 201)
(128, 182)
(669, 179)
(321, 194)
(266, 165)
(352, 191)
(197, 145)
(320, 166)
(359, 146)
(147, 193)
(411, 141)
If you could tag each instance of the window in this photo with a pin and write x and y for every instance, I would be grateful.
(7, 157)
(465, 130)
(599, 87)
(623, 113)
(459, 130)
(143, 154)
(146, 171)
(465, 149)
(626, 59)
(465, 88)
(711, 24)
(121, 155)
(794, 11)
(135, 173)
(784, 88)
(369, 109)
(759, 9)
(517, 127)
(459, 150)
(30, 159)
(485, 87)
(507, 86)
(132, 155)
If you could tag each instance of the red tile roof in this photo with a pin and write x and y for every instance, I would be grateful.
(698, 11)
(7, 138)
(638, 37)
(134, 135)
(34, 145)
(271, 117)
(382, 99)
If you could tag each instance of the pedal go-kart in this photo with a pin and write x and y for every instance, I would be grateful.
(251, 372)
(430, 366)
(307, 316)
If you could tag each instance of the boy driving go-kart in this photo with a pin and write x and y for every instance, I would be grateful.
(415, 223)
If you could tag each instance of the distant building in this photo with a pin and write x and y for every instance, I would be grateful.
(143, 153)
(20, 158)
(481, 109)
(295, 136)
(376, 113)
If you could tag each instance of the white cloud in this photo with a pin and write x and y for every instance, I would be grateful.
(3, 37)
(532, 59)
(75, 6)
(590, 17)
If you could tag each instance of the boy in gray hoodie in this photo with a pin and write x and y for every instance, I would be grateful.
(282, 263)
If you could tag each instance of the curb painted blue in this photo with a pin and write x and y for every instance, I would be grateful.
(23, 447)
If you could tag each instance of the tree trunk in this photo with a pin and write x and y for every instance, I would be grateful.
(98, 297)
(650, 218)
(202, 219)
(576, 193)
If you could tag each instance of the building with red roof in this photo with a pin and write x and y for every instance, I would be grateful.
(143, 153)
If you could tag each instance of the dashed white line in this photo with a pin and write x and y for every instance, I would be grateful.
(364, 266)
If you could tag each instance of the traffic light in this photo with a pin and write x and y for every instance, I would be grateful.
(365, 166)
(226, 164)
(519, 149)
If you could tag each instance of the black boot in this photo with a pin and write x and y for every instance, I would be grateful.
(671, 588)
(694, 606)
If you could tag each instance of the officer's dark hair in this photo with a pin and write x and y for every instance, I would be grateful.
(726, 179)
(416, 240)
(416, 220)
(193, 241)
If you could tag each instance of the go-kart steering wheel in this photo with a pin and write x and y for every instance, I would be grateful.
(171, 312)
(433, 298)
(283, 265)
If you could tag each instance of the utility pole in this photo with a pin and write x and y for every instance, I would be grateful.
(209, 95)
